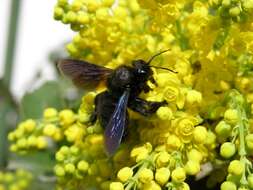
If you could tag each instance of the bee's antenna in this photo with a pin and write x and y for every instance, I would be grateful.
(164, 69)
(149, 61)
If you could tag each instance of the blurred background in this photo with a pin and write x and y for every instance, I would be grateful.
(30, 43)
(37, 35)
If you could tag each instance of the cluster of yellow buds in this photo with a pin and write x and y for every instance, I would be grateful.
(55, 126)
(27, 137)
(156, 169)
(237, 10)
(18, 180)
(210, 56)
(235, 137)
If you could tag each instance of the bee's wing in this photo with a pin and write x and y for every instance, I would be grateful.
(82, 73)
(115, 128)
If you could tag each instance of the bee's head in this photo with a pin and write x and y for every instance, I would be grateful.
(142, 69)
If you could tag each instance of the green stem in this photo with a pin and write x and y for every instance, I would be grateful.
(242, 151)
(9, 57)
(11, 41)
(135, 177)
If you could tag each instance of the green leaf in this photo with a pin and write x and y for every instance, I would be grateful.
(40, 164)
(8, 118)
(48, 95)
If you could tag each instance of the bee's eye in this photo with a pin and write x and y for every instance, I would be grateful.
(141, 71)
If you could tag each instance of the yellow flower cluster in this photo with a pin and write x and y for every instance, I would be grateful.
(18, 180)
(211, 49)
(238, 10)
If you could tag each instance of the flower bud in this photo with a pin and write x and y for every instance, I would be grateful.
(162, 175)
(116, 186)
(146, 175)
(178, 175)
(59, 170)
(173, 143)
(59, 156)
(195, 155)
(223, 129)
(41, 142)
(234, 11)
(49, 130)
(164, 113)
(185, 186)
(163, 159)
(29, 125)
(70, 168)
(228, 185)
(236, 167)
(249, 141)
(151, 186)
(193, 96)
(50, 113)
(83, 166)
(192, 167)
(231, 116)
(124, 174)
(250, 180)
(67, 117)
(199, 134)
(227, 150)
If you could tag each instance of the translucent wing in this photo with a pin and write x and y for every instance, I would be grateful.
(115, 128)
(82, 73)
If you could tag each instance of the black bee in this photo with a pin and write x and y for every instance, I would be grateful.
(124, 84)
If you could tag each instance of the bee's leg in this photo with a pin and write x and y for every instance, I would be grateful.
(93, 118)
(146, 88)
(98, 100)
(153, 80)
(144, 107)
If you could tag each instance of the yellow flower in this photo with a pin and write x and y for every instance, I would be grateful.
(184, 129)
(163, 159)
(140, 153)
(146, 175)
(164, 113)
(171, 93)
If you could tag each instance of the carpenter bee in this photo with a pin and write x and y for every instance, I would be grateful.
(124, 84)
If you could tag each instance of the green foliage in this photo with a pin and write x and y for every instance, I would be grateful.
(47, 95)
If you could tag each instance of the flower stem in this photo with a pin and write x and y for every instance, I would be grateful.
(9, 57)
(11, 41)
